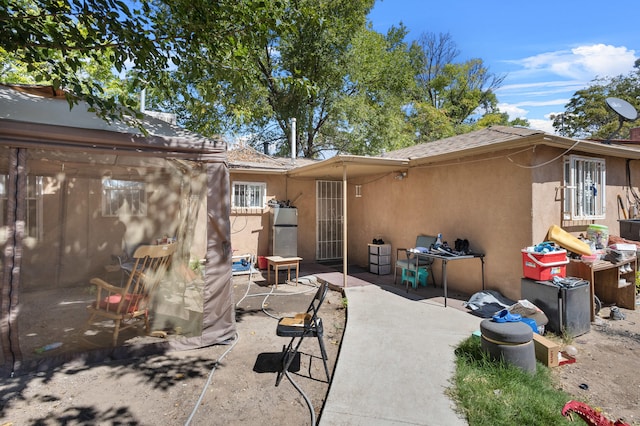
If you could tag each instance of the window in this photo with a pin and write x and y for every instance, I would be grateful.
(249, 195)
(584, 188)
(123, 197)
(33, 226)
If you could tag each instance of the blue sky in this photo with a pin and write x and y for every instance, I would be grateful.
(546, 49)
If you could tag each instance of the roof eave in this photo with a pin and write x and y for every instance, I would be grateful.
(256, 170)
(339, 162)
(592, 147)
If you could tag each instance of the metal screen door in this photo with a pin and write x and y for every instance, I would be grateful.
(329, 219)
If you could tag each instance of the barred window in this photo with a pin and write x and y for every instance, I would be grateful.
(123, 197)
(584, 188)
(249, 195)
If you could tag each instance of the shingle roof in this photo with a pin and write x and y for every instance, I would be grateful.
(247, 157)
(480, 138)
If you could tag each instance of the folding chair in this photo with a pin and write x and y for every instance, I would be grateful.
(306, 324)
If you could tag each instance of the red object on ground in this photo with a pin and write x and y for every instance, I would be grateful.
(262, 262)
(589, 415)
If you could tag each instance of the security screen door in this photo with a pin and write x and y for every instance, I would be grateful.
(329, 220)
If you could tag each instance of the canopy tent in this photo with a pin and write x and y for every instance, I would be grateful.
(77, 196)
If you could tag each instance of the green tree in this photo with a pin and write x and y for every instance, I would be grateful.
(370, 114)
(59, 42)
(586, 114)
(287, 60)
(458, 90)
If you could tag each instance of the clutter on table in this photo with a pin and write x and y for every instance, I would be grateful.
(441, 247)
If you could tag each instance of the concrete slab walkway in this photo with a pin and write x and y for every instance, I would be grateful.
(396, 359)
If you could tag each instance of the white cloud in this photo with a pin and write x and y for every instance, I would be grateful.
(542, 88)
(513, 111)
(583, 62)
(543, 103)
(548, 80)
(540, 124)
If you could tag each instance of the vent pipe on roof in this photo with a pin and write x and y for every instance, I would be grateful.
(143, 96)
(294, 148)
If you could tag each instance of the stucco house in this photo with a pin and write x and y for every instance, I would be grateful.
(500, 187)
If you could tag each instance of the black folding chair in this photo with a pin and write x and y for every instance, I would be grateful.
(303, 325)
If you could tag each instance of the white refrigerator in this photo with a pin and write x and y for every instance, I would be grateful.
(284, 231)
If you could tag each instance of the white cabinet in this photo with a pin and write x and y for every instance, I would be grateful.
(380, 259)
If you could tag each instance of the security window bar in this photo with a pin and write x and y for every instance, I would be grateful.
(249, 195)
(329, 220)
(584, 188)
(33, 225)
(123, 197)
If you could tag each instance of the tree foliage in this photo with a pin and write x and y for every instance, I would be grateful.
(457, 90)
(249, 67)
(587, 115)
(56, 39)
(287, 59)
(370, 113)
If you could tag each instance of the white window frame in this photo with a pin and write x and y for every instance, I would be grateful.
(243, 195)
(585, 181)
(127, 197)
(33, 227)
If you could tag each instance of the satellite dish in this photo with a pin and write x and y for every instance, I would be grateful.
(623, 108)
(625, 111)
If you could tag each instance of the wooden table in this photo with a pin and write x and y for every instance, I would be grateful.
(605, 278)
(278, 262)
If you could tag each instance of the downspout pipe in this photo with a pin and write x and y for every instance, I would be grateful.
(294, 148)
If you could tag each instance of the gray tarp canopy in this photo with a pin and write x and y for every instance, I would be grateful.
(70, 153)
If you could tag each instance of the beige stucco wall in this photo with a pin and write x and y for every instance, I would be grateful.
(250, 228)
(78, 241)
(485, 200)
(501, 202)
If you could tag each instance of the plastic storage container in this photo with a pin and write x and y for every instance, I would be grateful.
(544, 266)
(598, 235)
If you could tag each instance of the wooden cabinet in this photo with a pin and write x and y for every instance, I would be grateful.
(613, 283)
(380, 259)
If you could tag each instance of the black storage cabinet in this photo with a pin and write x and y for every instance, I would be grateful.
(567, 308)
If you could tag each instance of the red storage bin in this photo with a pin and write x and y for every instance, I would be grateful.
(544, 266)
(262, 262)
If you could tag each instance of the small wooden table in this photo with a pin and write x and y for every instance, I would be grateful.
(280, 262)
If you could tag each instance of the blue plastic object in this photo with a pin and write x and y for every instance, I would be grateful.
(409, 274)
(531, 323)
(506, 316)
(545, 247)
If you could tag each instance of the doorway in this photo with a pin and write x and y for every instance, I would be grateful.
(329, 220)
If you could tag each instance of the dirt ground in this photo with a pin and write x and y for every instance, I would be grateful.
(191, 388)
(607, 366)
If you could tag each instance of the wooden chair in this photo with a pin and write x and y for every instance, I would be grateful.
(130, 303)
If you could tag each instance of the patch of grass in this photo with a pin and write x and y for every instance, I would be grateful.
(344, 303)
(495, 393)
